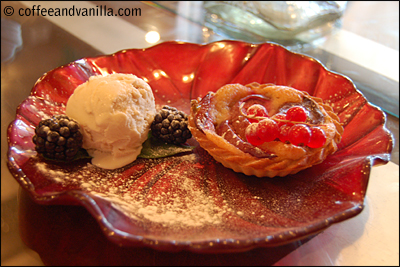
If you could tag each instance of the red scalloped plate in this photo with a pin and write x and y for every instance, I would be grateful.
(189, 201)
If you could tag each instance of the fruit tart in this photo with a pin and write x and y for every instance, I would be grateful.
(264, 129)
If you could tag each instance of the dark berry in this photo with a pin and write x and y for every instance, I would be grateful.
(158, 118)
(53, 136)
(54, 126)
(59, 149)
(58, 138)
(165, 123)
(61, 141)
(64, 131)
(175, 124)
(177, 133)
(171, 126)
(42, 131)
(49, 146)
(171, 117)
(73, 126)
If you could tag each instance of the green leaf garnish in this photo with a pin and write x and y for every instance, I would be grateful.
(81, 154)
(154, 148)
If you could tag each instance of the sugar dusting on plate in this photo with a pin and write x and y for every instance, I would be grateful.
(168, 193)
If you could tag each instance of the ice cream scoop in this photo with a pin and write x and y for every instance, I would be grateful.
(115, 112)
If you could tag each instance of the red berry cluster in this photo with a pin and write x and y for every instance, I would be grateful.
(289, 127)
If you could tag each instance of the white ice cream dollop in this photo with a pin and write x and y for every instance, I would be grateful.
(114, 112)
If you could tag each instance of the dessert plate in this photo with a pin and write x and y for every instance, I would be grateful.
(189, 201)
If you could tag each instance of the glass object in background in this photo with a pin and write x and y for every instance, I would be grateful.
(11, 39)
(289, 23)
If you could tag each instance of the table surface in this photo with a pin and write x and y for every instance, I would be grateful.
(365, 48)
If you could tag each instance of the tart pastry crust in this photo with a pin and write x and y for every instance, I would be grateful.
(218, 125)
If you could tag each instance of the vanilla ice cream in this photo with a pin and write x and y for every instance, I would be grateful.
(114, 112)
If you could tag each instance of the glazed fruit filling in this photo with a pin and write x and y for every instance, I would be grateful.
(251, 124)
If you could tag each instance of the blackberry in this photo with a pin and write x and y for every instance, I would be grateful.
(171, 126)
(58, 138)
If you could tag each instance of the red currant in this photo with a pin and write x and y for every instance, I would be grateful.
(256, 110)
(297, 113)
(278, 117)
(252, 136)
(267, 130)
(284, 132)
(299, 134)
(318, 137)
